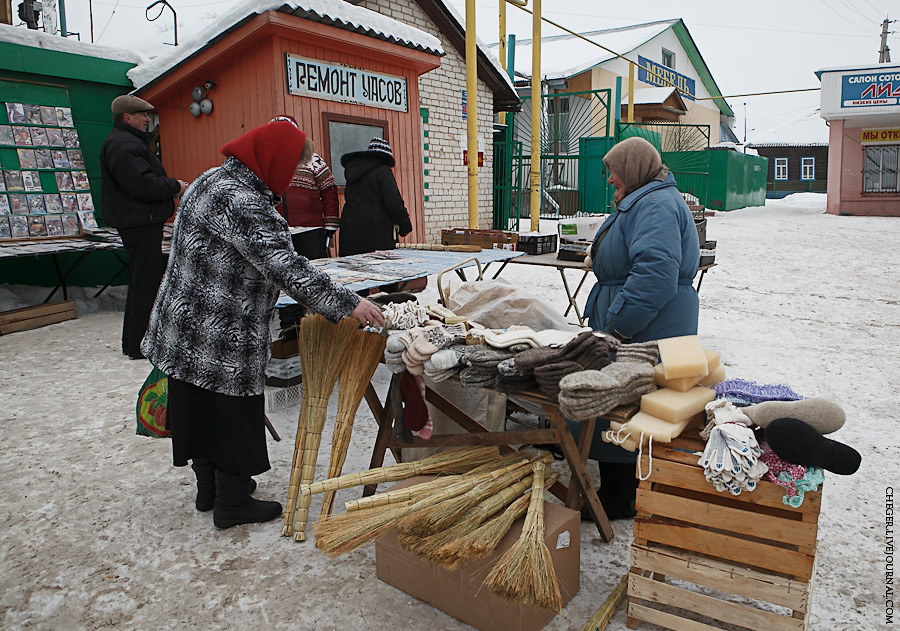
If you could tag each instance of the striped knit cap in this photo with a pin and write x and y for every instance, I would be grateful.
(380, 144)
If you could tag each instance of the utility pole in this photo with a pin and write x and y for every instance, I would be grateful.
(745, 127)
(884, 53)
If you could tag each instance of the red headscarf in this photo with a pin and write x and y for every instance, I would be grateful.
(271, 151)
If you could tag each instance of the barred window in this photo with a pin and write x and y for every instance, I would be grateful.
(880, 174)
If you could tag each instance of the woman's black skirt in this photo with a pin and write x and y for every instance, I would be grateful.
(228, 431)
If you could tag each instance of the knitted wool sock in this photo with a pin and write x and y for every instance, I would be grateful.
(507, 368)
(823, 415)
(531, 359)
(413, 366)
(596, 393)
(799, 443)
(448, 358)
(486, 356)
(415, 412)
(476, 377)
(743, 392)
(435, 338)
(548, 377)
(646, 352)
(522, 383)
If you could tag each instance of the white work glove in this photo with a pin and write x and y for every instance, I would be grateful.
(731, 458)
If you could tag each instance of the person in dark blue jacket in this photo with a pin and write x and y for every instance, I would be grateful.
(645, 257)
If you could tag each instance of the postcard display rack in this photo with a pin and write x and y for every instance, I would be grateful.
(44, 187)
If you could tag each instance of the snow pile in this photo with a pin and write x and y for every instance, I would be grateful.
(39, 39)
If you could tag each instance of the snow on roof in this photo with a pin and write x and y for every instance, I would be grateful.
(488, 50)
(878, 67)
(809, 130)
(335, 12)
(559, 51)
(38, 39)
(649, 96)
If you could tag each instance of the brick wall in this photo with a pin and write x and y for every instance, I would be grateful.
(441, 93)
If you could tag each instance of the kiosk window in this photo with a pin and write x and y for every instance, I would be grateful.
(348, 134)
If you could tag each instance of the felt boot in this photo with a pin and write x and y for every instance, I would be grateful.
(206, 484)
(798, 442)
(234, 506)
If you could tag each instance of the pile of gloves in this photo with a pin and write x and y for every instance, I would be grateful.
(731, 460)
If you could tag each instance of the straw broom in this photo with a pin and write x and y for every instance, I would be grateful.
(481, 541)
(525, 572)
(346, 532)
(418, 490)
(342, 339)
(441, 516)
(603, 615)
(460, 460)
(323, 351)
(366, 351)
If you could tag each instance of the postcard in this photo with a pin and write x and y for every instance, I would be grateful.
(54, 225)
(70, 224)
(4, 205)
(52, 203)
(13, 180)
(44, 158)
(55, 137)
(88, 222)
(18, 204)
(32, 114)
(5, 232)
(85, 202)
(69, 202)
(18, 227)
(27, 159)
(15, 112)
(2, 182)
(48, 115)
(71, 138)
(81, 180)
(21, 136)
(32, 181)
(36, 204)
(76, 158)
(36, 226)
(64, 180)
(64, 116)
(39, 137)
(60, 159)
(6, 135)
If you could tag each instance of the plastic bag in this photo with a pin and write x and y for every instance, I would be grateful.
(496, 304)
(151, 405)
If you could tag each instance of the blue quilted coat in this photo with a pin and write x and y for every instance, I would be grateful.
(645, 263)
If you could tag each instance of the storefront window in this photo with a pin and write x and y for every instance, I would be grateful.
(346, 134)
(881, 170)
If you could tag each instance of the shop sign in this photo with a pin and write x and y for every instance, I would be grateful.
(333, 82)
(880, 136)
(658, 75)
(870, 89)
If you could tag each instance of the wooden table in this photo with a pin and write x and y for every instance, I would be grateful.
(579, 490)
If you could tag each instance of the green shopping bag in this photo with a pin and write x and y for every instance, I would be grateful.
(151, 405)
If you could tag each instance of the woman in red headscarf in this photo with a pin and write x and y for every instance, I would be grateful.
(209, 329)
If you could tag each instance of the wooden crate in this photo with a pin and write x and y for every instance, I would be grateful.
(34, 317)
(752, 546)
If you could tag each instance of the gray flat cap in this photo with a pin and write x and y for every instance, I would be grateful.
(129, 104)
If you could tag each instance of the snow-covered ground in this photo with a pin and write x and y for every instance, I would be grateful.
(100, 530)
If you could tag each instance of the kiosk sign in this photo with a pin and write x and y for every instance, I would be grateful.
(871, 89)
(332, 82)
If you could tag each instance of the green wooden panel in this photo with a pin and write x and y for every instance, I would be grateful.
(51, 63)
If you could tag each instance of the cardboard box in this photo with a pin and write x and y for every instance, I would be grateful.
(579, 228)
(573, 251)
(459, 593)
(286, 346)
(489, 239)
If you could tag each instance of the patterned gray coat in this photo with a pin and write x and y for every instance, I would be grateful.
(231, 255)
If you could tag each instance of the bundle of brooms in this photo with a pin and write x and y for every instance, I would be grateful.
(324, 349)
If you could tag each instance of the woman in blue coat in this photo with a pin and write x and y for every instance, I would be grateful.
(645, 257)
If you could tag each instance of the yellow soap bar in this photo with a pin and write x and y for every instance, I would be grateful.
(629, 444)
(682, 384)
(683, 357)
(715, 376)
(713, 359)
(673, 406)
(641, 423)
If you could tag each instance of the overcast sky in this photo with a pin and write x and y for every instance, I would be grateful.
(761, 46)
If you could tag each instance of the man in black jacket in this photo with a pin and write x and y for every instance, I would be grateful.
(136, 200)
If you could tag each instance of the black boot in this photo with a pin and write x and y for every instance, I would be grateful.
(206, 484)
(234, 505)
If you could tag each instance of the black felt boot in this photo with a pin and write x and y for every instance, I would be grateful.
(797, 442)
(206, 484)
(234, 506)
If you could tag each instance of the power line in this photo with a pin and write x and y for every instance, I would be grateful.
(844, 17)
(854, 9)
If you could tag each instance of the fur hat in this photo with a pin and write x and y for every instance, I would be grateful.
(636, 162)
(380, 144)
(272, 151)
(130, 104)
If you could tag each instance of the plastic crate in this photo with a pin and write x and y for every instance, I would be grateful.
(282, 398)
(287, 368)
(536, 243)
